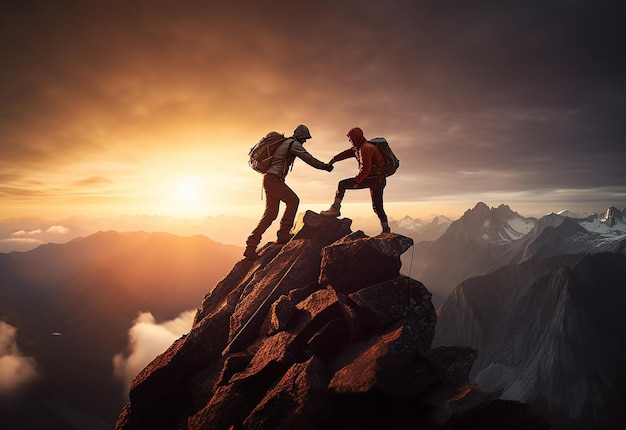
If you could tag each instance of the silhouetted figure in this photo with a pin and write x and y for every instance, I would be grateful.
(370, 176)
(276, 190)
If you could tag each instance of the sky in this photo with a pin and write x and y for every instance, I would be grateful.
(149, 107)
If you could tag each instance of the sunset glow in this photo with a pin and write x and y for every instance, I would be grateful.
(115, 109)
(144, 262)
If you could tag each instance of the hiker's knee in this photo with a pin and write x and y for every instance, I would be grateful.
(293, 201)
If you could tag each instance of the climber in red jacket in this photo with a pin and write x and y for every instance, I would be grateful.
(370, 176)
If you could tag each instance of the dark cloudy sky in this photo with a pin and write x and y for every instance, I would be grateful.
(150, 107)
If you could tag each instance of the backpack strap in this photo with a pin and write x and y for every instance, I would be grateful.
(291, 142)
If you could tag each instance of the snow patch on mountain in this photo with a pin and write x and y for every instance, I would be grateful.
(606, 232)
(522, 226)
(569, 214)
(441, 220)
(519, 227)
(419, 230)
(509, 229)
(606, 227)
(411, 224)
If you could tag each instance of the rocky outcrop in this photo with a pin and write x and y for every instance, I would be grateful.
(323, 332)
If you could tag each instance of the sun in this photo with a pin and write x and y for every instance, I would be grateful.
(185, 197)
(192, 195)
(188, 192)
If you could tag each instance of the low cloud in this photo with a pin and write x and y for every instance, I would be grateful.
(58, 229)
(21, 233)
(53, 229)
(26, 239)
(22, 241)
(148, 338)
(16, 370)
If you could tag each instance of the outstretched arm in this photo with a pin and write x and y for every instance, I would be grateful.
(343, 155)
(298, 150)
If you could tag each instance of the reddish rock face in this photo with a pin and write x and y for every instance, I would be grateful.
(320, 333)
(356, 262)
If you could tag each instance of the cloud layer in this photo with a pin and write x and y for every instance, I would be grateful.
(37, 233)
(16, 370)
(148, 338)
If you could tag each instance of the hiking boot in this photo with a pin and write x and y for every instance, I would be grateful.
(284, 238)
(250, 253)
(333, 212)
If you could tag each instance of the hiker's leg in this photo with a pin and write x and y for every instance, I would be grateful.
(281, 191)
(342, 186)
(376, 192)
(272, 203)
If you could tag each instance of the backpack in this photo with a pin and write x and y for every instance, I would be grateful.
(391, 161)
(262, 152)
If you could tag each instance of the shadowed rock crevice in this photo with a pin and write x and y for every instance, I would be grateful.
(323, 332)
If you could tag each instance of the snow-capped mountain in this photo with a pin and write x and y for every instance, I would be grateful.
(609, 226)
(420, 231)
(569, 214)
(544, 317)
(475, 244)
(484, 239)
(410, 224)
(496, 225)
(556, 234)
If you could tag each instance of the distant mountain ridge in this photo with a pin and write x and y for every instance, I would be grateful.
(544, 318)
(484, 239)
(90, 290)
(496, 225)
(418, 230)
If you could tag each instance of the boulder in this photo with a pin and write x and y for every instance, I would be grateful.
(400, 298)
(356, 261)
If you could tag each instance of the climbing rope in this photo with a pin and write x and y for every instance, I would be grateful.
(226, 350)
(411, 263)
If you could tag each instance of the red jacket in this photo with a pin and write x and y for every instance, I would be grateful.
(369, 157)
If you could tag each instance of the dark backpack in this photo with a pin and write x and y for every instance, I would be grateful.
(262, 152)
(391, 161)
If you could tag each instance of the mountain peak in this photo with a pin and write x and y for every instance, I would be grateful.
(480, 208)
(569, 214)
(420, 231)
(441, 220)
(495, 225)
(305, 337)
(611, 216)
(504, 210)
(410, 223)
